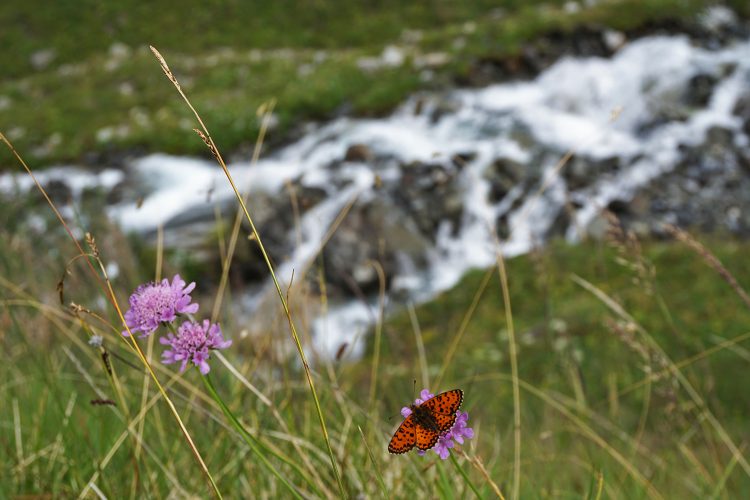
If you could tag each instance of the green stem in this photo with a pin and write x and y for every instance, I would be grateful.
(249, 439)
(465, 476)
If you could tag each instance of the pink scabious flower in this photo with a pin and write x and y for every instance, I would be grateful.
(443, 446)
(155, 303)
(447, 440)
(193, 343)
(460, 431)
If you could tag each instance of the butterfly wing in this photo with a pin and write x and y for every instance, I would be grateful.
(426, 438)
(445, 403)
(405, 437)
(444, 422)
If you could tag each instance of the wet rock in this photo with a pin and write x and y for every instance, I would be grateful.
(502, 227)
(358, 153)
(581, 171)
(709, 191)
(633, 214)
(274, 216)
(742, 110)
(430, 193)
(679, 103)
(443, 106)
(197, 230)
(308, 196)
(376, 231)
(699, 90)
(59, 191)
(503, 175)
(116, 194)
(560, 224)
(585, 41)
(461, 159)
(492, 69)
(541, 53)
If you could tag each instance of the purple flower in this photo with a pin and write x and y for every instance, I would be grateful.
(443, 445)
(455, 434)
(459, 431)
(155, 303)
(192, 343)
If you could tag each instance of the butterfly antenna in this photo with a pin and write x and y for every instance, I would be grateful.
(414, 390)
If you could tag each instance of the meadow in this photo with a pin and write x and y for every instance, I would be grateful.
(89, 93)
(629, 358)
(607, 369)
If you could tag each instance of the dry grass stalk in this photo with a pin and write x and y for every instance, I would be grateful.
(710, 259)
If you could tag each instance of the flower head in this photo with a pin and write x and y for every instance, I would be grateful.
(456, 434)
(192, 344)
(444, 444)
(459, 431)
(155, 303)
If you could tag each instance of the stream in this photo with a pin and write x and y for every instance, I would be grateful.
(450, 178)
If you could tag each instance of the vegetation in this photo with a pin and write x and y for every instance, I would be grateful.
(611, 368)
(634, 403)
(74, 93)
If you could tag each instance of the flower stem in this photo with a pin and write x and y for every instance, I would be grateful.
(249, 439)
(465, 476)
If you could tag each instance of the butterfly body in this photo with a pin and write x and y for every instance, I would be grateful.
(427, 422)
(424, 417)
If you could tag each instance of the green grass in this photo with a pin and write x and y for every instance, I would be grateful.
(640, 402)
(228, 58)
(579, 414)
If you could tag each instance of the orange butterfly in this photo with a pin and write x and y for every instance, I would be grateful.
(427, 422)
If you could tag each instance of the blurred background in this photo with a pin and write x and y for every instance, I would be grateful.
(404, 145)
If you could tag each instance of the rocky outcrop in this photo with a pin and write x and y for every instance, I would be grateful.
(372, 232)
(708, 191)
(430, 193)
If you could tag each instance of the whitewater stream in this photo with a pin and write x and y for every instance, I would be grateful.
(613, 113)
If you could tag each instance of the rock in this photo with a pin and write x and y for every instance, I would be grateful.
(678, 104)
(709, 190)
(195, 230)
(430, 194)
(503, 175)
(742, 110)
(502, 227)
(376, 231)
(442, 106)
(583, 41)
(41, 59)
(358, 153)
(116, 194)
(581, 171)
(699, 90)
(559, 226)
(461, 159)
(541, 53)
(59, 191)
(274, 218)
